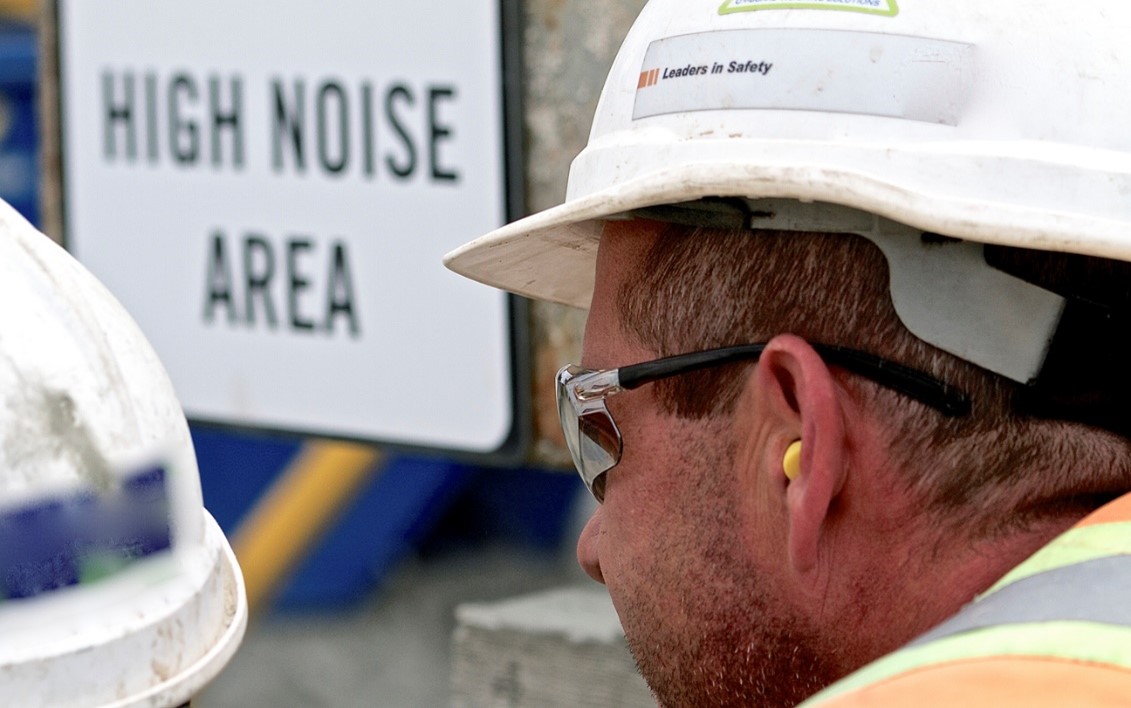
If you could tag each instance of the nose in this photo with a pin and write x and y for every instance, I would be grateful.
(587, 555)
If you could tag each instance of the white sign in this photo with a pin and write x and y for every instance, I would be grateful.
(269, 189)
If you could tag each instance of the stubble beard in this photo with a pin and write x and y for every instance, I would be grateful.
(729, 656)
(731, 641)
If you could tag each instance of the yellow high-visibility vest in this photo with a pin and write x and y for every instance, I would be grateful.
(1055, 631)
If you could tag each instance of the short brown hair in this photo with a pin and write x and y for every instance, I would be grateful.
(700, 288)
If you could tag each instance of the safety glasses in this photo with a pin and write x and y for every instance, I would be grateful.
(594, 441)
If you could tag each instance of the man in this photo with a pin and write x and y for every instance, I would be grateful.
(870, 259)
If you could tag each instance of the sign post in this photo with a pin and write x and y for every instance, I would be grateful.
(269, 192)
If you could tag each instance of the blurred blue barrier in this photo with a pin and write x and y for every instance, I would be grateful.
(414, 504)
(19, 124)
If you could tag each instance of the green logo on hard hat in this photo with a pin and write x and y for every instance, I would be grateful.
(887, 8)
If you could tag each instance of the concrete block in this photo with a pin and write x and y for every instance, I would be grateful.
(561, 648)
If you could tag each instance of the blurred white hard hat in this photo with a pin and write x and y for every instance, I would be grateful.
(117, 588)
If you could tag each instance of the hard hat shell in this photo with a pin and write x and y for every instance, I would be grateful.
(85, 398)
(997, 122)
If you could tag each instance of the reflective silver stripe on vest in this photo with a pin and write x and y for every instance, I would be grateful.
(1092, 591)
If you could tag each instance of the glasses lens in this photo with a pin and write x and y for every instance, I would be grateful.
(598, 488)
(600, 440)
(600, 449)
(567, 414)
(592, 438)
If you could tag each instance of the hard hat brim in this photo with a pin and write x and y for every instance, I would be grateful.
(191, 680)
(550, 255)
(182, 621)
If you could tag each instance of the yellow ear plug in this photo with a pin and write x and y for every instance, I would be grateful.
(791, 462)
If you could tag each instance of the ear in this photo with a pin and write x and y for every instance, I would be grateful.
(798, 399)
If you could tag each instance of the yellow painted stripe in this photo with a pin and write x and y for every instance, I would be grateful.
(288, 519)
(19, 9)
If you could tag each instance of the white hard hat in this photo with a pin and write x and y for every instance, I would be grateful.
(992, 122)
(117, 588)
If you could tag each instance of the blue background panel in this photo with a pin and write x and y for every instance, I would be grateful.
(411, 505)
(19, 119)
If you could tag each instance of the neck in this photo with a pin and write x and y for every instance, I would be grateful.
(925, 577)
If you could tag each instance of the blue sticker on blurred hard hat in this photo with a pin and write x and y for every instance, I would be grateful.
(83, 537)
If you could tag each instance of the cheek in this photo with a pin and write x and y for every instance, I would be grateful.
(641, 513)
(668, 502)
(650, 470)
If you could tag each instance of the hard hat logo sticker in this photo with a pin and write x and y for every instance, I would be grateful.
(63, 541)
(648, 78)
(887, 8)
(652, 77)
(865, 73)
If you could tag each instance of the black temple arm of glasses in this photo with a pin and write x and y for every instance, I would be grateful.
(926, 389)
